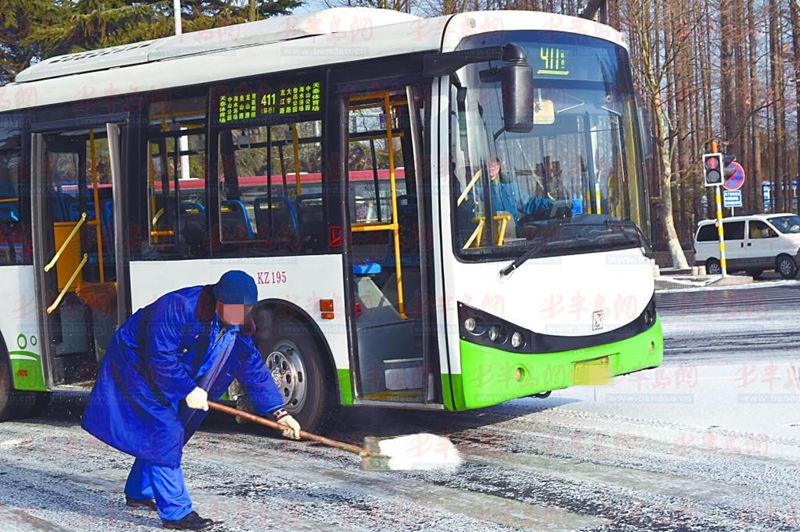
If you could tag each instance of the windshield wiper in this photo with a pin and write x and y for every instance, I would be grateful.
(577, 239)
(531, 253)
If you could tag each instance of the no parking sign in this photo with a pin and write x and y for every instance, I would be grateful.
(734, 176)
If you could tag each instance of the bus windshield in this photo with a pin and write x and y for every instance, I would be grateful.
(573, 183)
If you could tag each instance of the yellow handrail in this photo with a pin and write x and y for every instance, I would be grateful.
(64, 290)
(296, 153)
(477, 233)
(98, 230)
(396, 232)
(469, 186)
(156, 217)
(394, 226)
(363, 228)
(501, 232)
(66, 242)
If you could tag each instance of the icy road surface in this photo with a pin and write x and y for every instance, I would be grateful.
(709, 441)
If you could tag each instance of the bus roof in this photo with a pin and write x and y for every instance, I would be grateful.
(336, 35)
(262, 32)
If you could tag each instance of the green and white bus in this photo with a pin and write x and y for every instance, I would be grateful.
(440, 213)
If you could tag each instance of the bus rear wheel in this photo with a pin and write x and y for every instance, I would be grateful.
(294, 358)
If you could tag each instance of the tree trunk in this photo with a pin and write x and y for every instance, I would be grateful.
(796, 45)
(726, 104)
(777, 105)
(754, 170)
(662, 147)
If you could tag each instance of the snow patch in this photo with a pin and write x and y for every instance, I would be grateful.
(7, 444)
(420, 452)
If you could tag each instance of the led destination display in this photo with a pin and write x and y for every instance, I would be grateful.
(288, 100)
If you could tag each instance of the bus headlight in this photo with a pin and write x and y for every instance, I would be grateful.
(470, 324)
(495, 334)
(517, 340)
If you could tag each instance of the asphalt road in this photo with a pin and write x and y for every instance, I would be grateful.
(754, 322)
(574, 461)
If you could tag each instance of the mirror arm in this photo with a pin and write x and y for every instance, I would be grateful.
(441, 64)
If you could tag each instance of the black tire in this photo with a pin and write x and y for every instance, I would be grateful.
(543, 395)
(755, 274)
(713, 267)
(293, 355)
(786, 266)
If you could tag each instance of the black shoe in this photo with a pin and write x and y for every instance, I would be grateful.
(190, 521)
(140, 503)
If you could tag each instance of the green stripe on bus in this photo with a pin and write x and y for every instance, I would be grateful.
(27, 374)
(488, 374)
(457, 392)
(345, 388)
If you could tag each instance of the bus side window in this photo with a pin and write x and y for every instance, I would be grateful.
(176, 175)
(14, 231)
(264, 173)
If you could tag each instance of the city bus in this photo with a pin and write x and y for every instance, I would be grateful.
(440, 213)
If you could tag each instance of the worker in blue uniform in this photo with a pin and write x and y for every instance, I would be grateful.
(153, 386)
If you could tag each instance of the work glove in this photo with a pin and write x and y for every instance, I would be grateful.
(197, 399)
(285, 419)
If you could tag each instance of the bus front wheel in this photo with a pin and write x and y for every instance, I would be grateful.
(293, 357)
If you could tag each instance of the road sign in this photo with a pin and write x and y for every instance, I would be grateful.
(732, 198)
(734, 177)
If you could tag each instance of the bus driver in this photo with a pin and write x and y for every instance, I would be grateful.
(153, 386)
(507, 196)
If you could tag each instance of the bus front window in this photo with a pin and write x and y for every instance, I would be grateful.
(577, 170)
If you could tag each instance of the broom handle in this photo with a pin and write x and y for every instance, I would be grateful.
(355, 449)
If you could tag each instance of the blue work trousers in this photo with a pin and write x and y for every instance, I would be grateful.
(164, 484)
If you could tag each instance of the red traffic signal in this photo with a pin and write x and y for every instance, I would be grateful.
(712, 169)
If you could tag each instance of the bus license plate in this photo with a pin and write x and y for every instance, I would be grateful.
(591, 372)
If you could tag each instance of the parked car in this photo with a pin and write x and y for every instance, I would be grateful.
(753, 243)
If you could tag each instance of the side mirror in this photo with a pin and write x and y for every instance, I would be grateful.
(517, 89)
(516, 79)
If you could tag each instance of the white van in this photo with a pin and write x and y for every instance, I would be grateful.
(753, 243)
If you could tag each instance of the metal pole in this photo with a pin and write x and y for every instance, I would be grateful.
(722, 262)
(176, 5)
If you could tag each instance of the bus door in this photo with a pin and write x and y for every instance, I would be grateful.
(386, 259)
(76, 182)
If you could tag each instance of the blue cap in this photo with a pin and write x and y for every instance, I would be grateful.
(236, 288)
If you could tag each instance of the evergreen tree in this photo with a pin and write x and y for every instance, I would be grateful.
(18, 19)
(32, 30)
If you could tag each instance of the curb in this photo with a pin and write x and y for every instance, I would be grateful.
(677, 282)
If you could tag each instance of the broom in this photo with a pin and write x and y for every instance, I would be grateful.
(414, 452)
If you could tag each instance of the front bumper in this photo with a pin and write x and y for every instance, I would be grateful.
(490, 375)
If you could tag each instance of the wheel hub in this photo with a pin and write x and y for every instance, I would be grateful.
(285, 363)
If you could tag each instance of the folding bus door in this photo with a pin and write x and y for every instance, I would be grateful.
(387, 261)
(75, 183)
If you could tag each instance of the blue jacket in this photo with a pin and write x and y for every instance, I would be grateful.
(507, 196)
(154, 360)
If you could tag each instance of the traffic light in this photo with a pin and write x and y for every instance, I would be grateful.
(713, 169)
